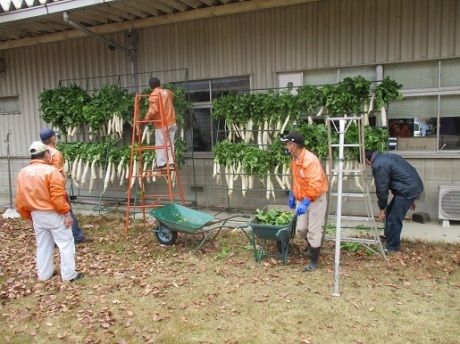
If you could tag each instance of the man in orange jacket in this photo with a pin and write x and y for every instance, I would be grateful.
(50, 139)
(41, 197)
(167, 124)
(308, 195)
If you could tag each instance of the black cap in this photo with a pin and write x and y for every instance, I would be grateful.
(154, 82)
(294, 137)
(47, 133)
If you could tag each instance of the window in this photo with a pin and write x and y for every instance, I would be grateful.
(429, 117)
(9, 105)
(202, 132)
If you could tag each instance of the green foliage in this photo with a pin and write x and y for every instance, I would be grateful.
(274, 217)
(106, 102)
(387, 91)
(63, 106)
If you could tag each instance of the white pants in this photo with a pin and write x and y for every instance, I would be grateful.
(160, 140)
(310, 224)
(49, 230)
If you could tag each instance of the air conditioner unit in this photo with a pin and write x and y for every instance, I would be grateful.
(449, 203)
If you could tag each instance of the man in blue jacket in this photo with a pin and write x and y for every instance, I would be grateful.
(393, 173)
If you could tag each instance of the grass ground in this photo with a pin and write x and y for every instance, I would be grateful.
(137, 291)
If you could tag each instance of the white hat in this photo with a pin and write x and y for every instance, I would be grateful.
(37, 147)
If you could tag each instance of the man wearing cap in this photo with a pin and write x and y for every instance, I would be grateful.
(162, 99)
(49, 138)
(40, 197)
(307, 196)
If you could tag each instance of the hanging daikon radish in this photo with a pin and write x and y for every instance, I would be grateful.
(320, 112)
(113, 172)
(259, 138)
(79, 170)
(74, 168)
(144, 173)
(122, 176)
(107, 176)
(283, 127)
(265, 136)
(269, 186)
(109, 126)
(384, 116)
(132, 179)
(85, 173)
(237, 171)
(278, 179)
(101, 172)
(93, 176)
(249, 134)
(230, 180)
(309, 120)
(250, 182)
(244, 183)
(120, 166)
(145, 133)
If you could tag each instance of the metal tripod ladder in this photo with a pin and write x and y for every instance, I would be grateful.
(169, 173)
(341, 125)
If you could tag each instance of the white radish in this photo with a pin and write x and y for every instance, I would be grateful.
(85, 173)
(251, 182)
(371, 104)
(133, 175)
(93, 174)
(244, 181)
(384, 116)
(113, 172)
(107, 176)
(120, 166)
(74, 130)
(101, 172)
(277, 177)
(283, 127)
(74, 168)
(320, 112)
(145, 133)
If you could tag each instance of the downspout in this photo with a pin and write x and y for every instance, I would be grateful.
(111, 44)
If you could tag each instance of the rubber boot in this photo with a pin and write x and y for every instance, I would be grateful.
(313, 263)
(306, 253)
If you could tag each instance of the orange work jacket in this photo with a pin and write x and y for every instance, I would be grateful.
(57, 159)
(308, 177)
(40, 187)
(167, 98)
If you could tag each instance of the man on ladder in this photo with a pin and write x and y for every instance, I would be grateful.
(162, 126)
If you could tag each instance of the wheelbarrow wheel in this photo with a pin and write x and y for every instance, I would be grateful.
(165, 236)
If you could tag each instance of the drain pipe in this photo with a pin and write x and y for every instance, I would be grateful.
(95, 35)
(111, 44)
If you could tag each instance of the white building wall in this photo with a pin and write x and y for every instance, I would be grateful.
(317, 35)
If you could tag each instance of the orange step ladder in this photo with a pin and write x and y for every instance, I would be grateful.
(136, 166)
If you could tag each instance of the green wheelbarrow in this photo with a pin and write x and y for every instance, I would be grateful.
(174, 218)
(281, 234)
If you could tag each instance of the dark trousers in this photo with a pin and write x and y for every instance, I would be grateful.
(396, 210)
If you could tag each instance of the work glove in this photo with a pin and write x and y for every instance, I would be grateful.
(291, 202)
(302, 208)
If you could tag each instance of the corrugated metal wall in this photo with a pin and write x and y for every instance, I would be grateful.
(321, 34)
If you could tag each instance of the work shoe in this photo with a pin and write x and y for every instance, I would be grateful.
(80, 275)
(313, 263)
(171, 166)
(84, 240)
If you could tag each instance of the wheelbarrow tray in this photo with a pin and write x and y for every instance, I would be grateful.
(180, 218)
(270, 232)
(281, 234)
